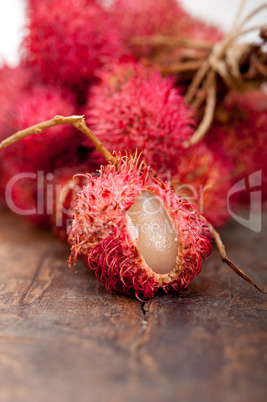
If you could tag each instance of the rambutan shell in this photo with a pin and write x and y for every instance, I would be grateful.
(135, 108)
(67, 182)
(204, 176)
(146, 18)
(68, 39)
(57, 146)
(241, 132)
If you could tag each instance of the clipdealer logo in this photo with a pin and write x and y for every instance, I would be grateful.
(254, 222)
(45, 195)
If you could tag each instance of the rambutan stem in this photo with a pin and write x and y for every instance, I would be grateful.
(181, 67)
(210, 87)
(81, 125)
(38, 128)
(204, 82)
(163, 40)
(238, 271)
(239, 13)
(253, 12)
(198, 78)
(77, 121)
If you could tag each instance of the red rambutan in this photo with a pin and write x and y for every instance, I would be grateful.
(241, 131)
(67, 182)
(204, 177)
(36, 153)
(68, 39)
(194, 28)
(148, 18)
(13, 81)
(137, 233)
(135, 108)
(145, 17)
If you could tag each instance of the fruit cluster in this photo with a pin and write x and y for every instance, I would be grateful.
(85, 57)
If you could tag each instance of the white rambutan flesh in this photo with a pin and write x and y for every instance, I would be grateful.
(154, 233)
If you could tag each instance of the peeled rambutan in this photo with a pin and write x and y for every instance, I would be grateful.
(68, 39)
(135, 108)
(204, 177)
(137, 233)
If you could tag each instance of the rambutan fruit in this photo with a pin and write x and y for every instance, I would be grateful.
(241, 131)
(204, 177)
(68, 39)
(148, 18)
(145, 17)
(190, 27)
(137, 233)
(66, 182)
(29, 160)
(13, 82)
(37, 104)
(136, 108)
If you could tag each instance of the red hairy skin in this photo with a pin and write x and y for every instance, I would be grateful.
(100, 232)
(205, 176)
(13, 81)
(67, 182)
(193, 28)
(37, 153)
(68, 39)
(241, 132)
(135, 108)
(146, 18)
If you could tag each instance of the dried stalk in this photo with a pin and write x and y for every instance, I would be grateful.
(177, 68)
(253, 12)
(77, 121)
(221, 249)
(207, 119)
(239, 13)
(198, 78)
(170, 41)
(224, 61)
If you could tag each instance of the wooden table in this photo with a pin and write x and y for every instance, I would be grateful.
(63, 338)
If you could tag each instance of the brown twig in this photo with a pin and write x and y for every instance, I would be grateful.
(224, 61)
(171, 41)
(240, 66)
(238, 271)
(177, 68)
(253, 12)
(198, 78)
(77, 121)
(209, 87)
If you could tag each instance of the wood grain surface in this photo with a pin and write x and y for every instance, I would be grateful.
(63, 338)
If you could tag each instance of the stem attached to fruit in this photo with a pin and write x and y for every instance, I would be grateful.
(221, 248)
(77, 121)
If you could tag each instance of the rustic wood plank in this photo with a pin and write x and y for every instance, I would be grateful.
(63, 338)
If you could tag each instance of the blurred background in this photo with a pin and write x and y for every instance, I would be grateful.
(220, 12)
